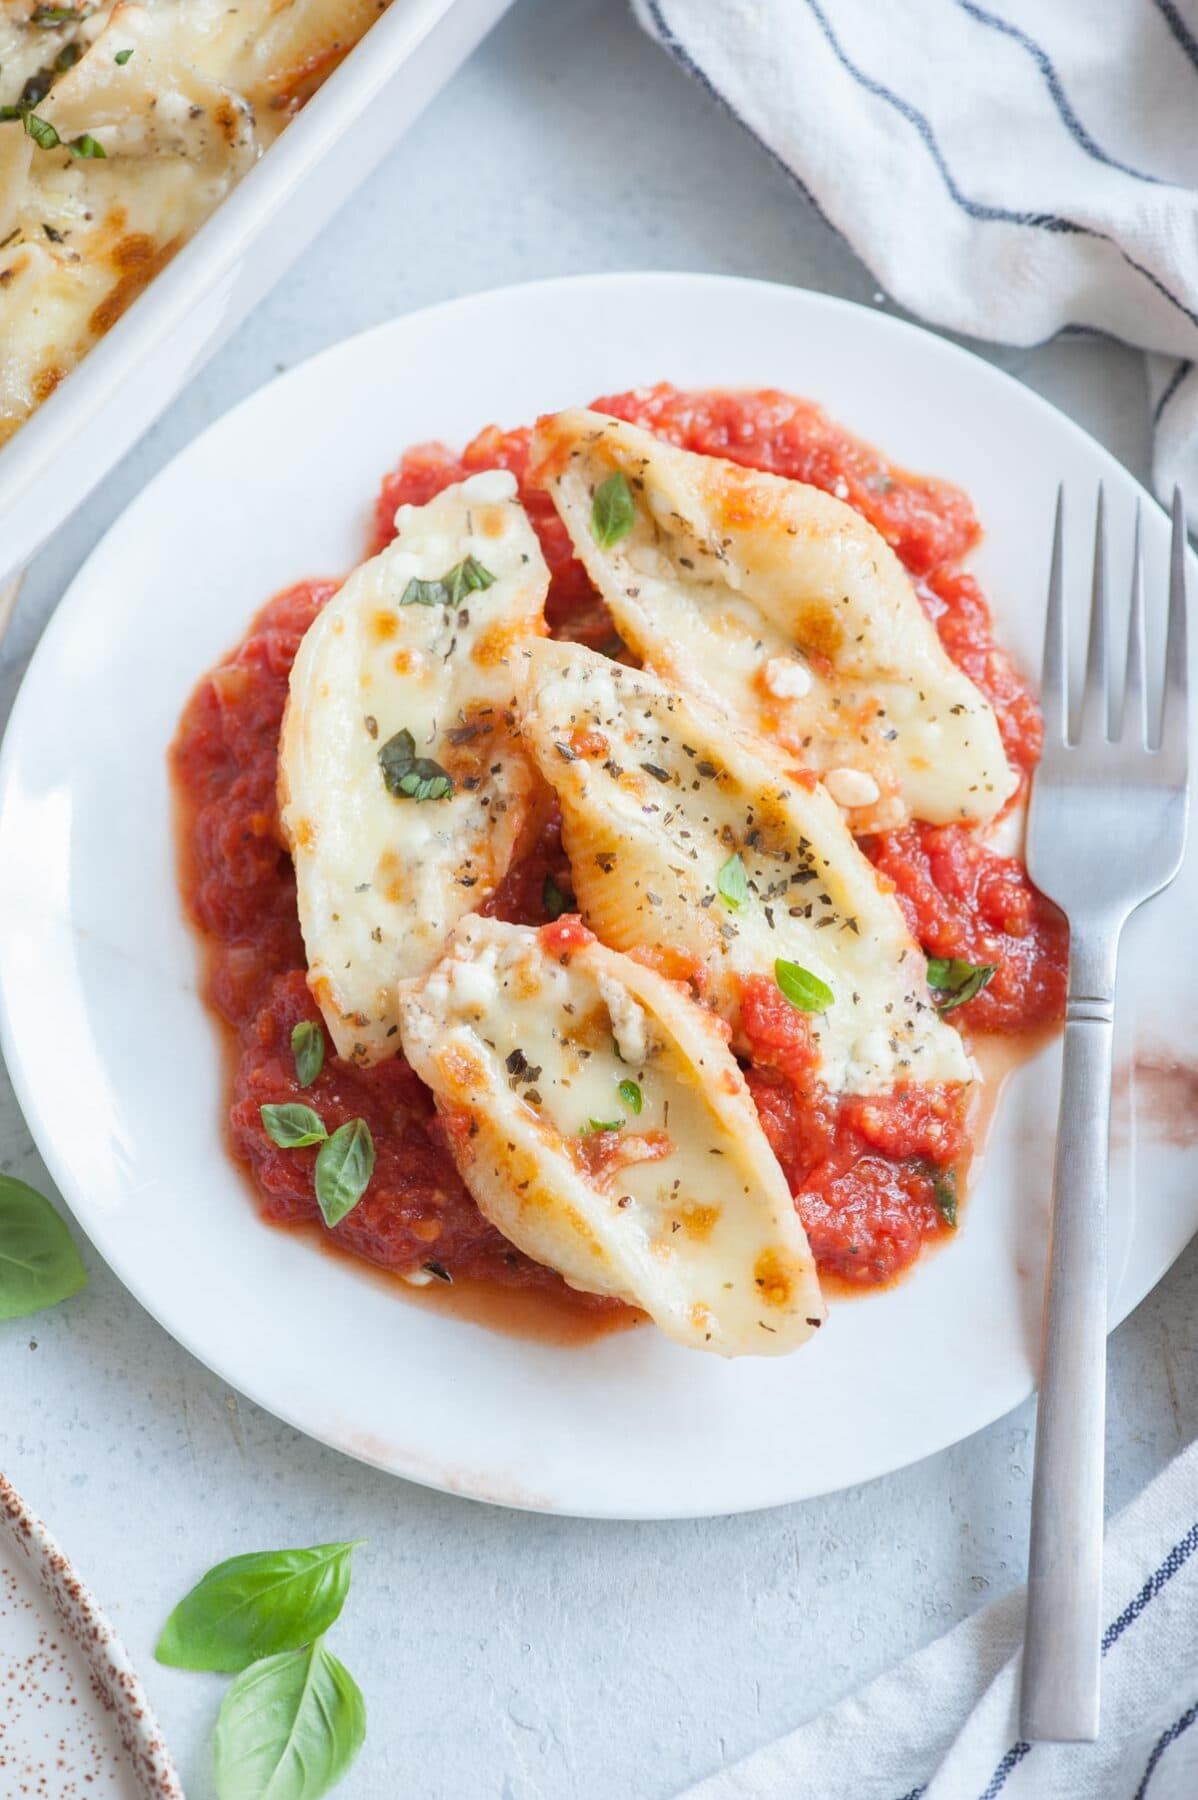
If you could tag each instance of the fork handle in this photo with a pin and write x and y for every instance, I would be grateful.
(1062, 1648)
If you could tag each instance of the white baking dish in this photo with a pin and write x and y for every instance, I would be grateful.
(123, 384)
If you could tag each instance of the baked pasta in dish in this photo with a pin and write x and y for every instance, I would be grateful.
(122, 127)
(598, 880)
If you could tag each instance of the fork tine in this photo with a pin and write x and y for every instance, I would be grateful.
(1096, 693)
(1174, 727)
(1054, 678)
(1134, 713)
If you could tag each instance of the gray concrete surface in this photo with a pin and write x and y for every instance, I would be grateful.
(506, 1655)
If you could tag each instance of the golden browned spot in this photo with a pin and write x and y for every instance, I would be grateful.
(227, 117)
(136, 259)
(322, 991)
(384, 625)
(699, 1222)
(818, 629)
(402, 662)
(462, 1069)
(305, 835)
(773, 1278)
(46, 380)
(494, 645)
(491, 521)
(700, 1316)
(427, 1230)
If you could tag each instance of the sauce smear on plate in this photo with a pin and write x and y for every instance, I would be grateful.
(874, 1179)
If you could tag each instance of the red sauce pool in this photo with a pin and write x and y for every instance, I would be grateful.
(874, 1179)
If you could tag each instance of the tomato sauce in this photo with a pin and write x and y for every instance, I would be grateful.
(874, 1179)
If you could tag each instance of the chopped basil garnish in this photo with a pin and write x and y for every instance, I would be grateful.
(554, 899)
(68, 56)
(411, 777)
(733, 883)
(307, 1047)
(49, 16)
(42, 132)
(293, 1126)
(122, 57)
(957, 981)
(803, 989)
(630, 1094)
(343, 1169)
(944, 1192)
(466, 577)
(601, 1125)
(613, 513)
(87, 145)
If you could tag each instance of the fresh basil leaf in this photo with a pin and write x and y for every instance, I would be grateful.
(613, 513)
(307, 1048)
(343, 1169)
(122, 57)
(68, 56)
(42, 132)
(803, 989)
(601, 1125)
(293, 1126)
(733, 883)
(289, 1727)
(957, 981)
(450, 589)
(87, 145)
(39, 1264)
(556, 900)
(944, 1192)
(411, 777)
(256, 1605)
(48, 16)
(630, 1094)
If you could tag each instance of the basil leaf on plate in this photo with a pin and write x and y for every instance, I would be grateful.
(87, 145)
(49, 16)
(733, 883)
(944, 1192)
(122, 57)
(957, 981)
(450, 589)
(601, 1125)
(257, 1605)
(42, 132)
(411, 777)
(343, 1169)
(803, 989)
(630, 1094)
(292, 1126)
(39, 1264)
(289, 1727)
(613, 512)
(307, 1047)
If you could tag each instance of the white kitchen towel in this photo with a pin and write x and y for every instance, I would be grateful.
(1008, 170)
(944, 1725)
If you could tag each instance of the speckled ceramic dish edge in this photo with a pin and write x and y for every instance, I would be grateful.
(118, 1686)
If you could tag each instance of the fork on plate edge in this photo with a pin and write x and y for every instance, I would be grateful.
(1106, 831)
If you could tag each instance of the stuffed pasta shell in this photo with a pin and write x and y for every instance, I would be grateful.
(601, 1123)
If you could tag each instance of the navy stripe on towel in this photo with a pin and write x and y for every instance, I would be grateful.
(1171, 386)
(1162, 1744)
(1171, 14)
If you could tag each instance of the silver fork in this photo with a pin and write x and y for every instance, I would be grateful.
(1106, 830)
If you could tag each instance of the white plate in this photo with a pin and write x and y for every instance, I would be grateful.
(117, 1064)
(74, 1718)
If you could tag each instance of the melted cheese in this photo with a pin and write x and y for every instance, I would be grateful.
(680, 1209)
(383, 878)
(786, 606)
(207, 87)
(657, 794)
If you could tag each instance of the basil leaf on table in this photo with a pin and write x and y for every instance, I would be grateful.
(803, 989)
(343, 1169)
(257, 1605)
(307, 1048)
(293, 1126)
(39, 1264)
(954, 982)
(289, 1727)
(613, 511)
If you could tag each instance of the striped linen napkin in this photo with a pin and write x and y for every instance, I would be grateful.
(1009, 171)
(944, 1725)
